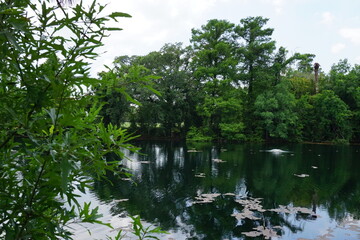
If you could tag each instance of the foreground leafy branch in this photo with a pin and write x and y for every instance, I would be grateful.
(52, 141)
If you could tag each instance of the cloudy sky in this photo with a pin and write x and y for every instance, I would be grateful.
(330, 29)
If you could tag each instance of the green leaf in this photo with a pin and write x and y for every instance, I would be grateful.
(11, 11)
(153, 90)
(51, 130)
(13, 41)
(53, 115)
(115, 15)
(113, 29)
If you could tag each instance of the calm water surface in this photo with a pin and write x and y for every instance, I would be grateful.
(242, 191)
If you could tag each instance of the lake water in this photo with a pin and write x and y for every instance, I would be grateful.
(234, 191)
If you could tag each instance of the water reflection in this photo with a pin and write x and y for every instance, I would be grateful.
(305, 191)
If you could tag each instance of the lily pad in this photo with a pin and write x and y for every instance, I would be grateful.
(260, 230)
(229, 194)
(218, 160)
(250, 206)
(210, 195)
(251, 203)
(292, 210)
(206, 198)
(246, 213)
(301, 175)
(200, 175)
(126, 179)
(193, 151)
(121, 200)
(302, 210)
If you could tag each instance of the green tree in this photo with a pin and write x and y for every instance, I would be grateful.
(178, 91)
(123, 89)
(301, 84)
(215, 67)
(301, 76)
(344, 80)
(255, 53)
(222, 115)
(324, 117)
(51, 142)
(282, 64)
(254, 66)
(305, 64)
(214, 45)
(167, 111)
(276, 110)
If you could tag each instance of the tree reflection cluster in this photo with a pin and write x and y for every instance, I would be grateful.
(253, 193)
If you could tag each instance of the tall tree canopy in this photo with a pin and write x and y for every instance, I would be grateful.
(234, 83)
(214, 45)
(255, 52)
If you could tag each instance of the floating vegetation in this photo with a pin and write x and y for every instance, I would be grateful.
(281, 209)
(302, 210)
(121, 200)
(292, 210)
(193, 151)
(126, 179)
(254, 211)
(252, 204)
(201, 175)
(218, 160)
(246, 213)
(210, 195)
(206, 198)
(275, 151)
(260, 230)
(230, 194)
(301, 175)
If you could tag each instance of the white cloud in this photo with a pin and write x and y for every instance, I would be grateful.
(338, 47)
(156, 22)
(278, 5)
(352, 34)
(327, 18)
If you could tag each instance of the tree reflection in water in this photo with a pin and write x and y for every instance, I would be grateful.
(171, 177)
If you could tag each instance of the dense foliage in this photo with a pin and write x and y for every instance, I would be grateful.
(52, 142)
(233, 83)
(57, 124)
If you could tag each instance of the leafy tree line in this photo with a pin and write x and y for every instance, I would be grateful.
(233, 83)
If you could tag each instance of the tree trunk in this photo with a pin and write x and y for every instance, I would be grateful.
(316, 80)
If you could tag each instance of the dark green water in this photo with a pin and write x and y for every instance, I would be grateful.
(306, 192)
